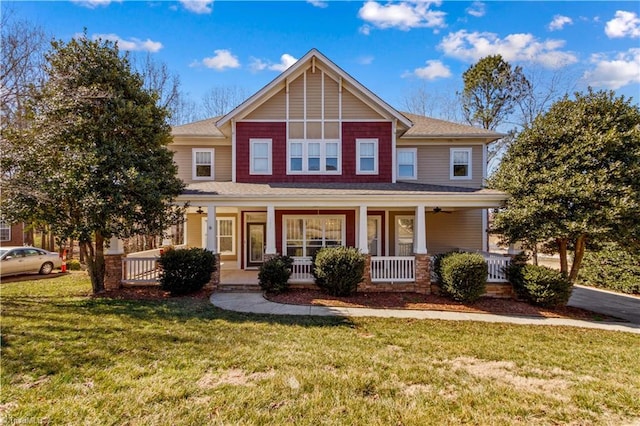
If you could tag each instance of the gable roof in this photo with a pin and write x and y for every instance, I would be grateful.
(205, 127)
(427, 127)
(301, 64)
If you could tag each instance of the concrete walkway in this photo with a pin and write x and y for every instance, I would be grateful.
(256, 303)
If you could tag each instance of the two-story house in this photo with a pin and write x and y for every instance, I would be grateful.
(315, 159)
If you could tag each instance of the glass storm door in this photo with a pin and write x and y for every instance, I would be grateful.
(255, 243)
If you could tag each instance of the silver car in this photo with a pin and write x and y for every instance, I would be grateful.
(25, 260)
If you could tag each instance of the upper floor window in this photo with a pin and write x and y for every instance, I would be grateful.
(202, 163)
(260, 153)
(367, 156)
(460, 163)
(407, 163)
(313, 156)
(5, 231)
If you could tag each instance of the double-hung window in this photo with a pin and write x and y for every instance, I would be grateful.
(460, 163)
(367, 156)
(313, 156)
(226, 241)
(260, 153)
(304, 236)
(407, 163)
(202, 164)
(5, 230)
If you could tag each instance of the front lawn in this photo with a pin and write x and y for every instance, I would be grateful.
(68, 358)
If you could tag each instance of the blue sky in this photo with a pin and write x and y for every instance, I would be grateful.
(391, 48)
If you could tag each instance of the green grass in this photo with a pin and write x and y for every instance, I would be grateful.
(68, 358)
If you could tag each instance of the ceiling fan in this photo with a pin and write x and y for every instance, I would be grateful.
(439, 210)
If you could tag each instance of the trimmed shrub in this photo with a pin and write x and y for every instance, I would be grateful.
(613, 268)
(436, 264)
(274, 274)
(74, 265)
(339, 270)
(185, 271)
(540, 285)
(464, 276)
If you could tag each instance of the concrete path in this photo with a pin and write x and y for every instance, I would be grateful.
(256, 303)
(606, 302)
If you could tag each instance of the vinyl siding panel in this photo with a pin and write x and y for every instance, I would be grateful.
(273, 109)
(195, 233)
(296, 98)
(460, 229)
(434, 162)
(314, 95)
(222, 162)
(331, 99)
(354, 109)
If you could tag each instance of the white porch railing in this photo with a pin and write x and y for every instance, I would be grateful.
(302, 270)
(140, 270)
(496, 265)
(393, 269)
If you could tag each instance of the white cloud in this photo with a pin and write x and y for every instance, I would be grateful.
(477, 9)
(559, 22)
(365, 60)
(92, 4)
(133, 44)
(198, 6)
(625, 24)
(404, 16)
(613, 74)
(286, 61)
(318, 3)
(435, 69)
(222, 60)
(514, 47)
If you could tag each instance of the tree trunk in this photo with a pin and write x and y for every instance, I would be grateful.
(562, 249)
(578, 254)
(94, 259)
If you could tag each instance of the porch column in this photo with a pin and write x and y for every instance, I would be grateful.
(270, 249)
(113, 264)
(363, 240)
(421, 232)
(212, 232)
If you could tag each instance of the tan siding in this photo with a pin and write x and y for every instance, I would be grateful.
(296, 98)
(273, 109)
(222, 162)
(314, 95)
(434, 163)
(296, 130)
(354, 109)
(195, 236)
(458, 230)
(332, 130)
(331, 111)
(314, 130)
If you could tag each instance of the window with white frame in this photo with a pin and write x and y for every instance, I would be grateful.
(260, 156)
(367, 156)
(407, 163)
(460, 163)
(202, 163)
(305, 235)
(5, 230)
(226, 235)
(313, 156)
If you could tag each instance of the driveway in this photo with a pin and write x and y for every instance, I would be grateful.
(606, 302)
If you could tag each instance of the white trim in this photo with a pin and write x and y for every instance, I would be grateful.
(305, 143)
(378, 222)
(233, 151)
(341, 217)
(394, 174)
(376, 155)
(194, 152)
(396, 243)
(414, 151)
(269, 144)
(469, 152)
(5, 227)
(362, 230)
(234, 234)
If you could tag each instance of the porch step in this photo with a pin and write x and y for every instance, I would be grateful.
(239, 288)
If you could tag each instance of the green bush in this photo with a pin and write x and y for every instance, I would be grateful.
(274, 274)
(74, 265)
(613, 268)
(436, 264)
(540, 285)
(339, 270)
(185, 271)
(464, 276)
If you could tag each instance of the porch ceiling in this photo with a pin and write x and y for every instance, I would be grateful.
(342, 194)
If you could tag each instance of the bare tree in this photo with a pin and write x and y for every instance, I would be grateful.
(23, 45)
(440, 104)
(220, 100)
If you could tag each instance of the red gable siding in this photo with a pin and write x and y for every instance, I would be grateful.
(277, 132)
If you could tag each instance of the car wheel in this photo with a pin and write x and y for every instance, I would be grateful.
(46, 268)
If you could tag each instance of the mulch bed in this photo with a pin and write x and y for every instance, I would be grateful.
(433, 302)
(149, 293)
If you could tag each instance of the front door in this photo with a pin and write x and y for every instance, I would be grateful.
(255, 244)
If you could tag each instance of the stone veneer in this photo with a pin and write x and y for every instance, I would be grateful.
(214, 282)
(113, 271)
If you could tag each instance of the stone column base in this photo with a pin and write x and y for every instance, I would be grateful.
(423, 273)
(214, 282)
(113, 271)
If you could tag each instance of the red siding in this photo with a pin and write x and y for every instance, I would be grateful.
(277, 132)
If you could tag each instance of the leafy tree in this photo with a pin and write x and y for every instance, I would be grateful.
(93, 160)
(574, 176)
